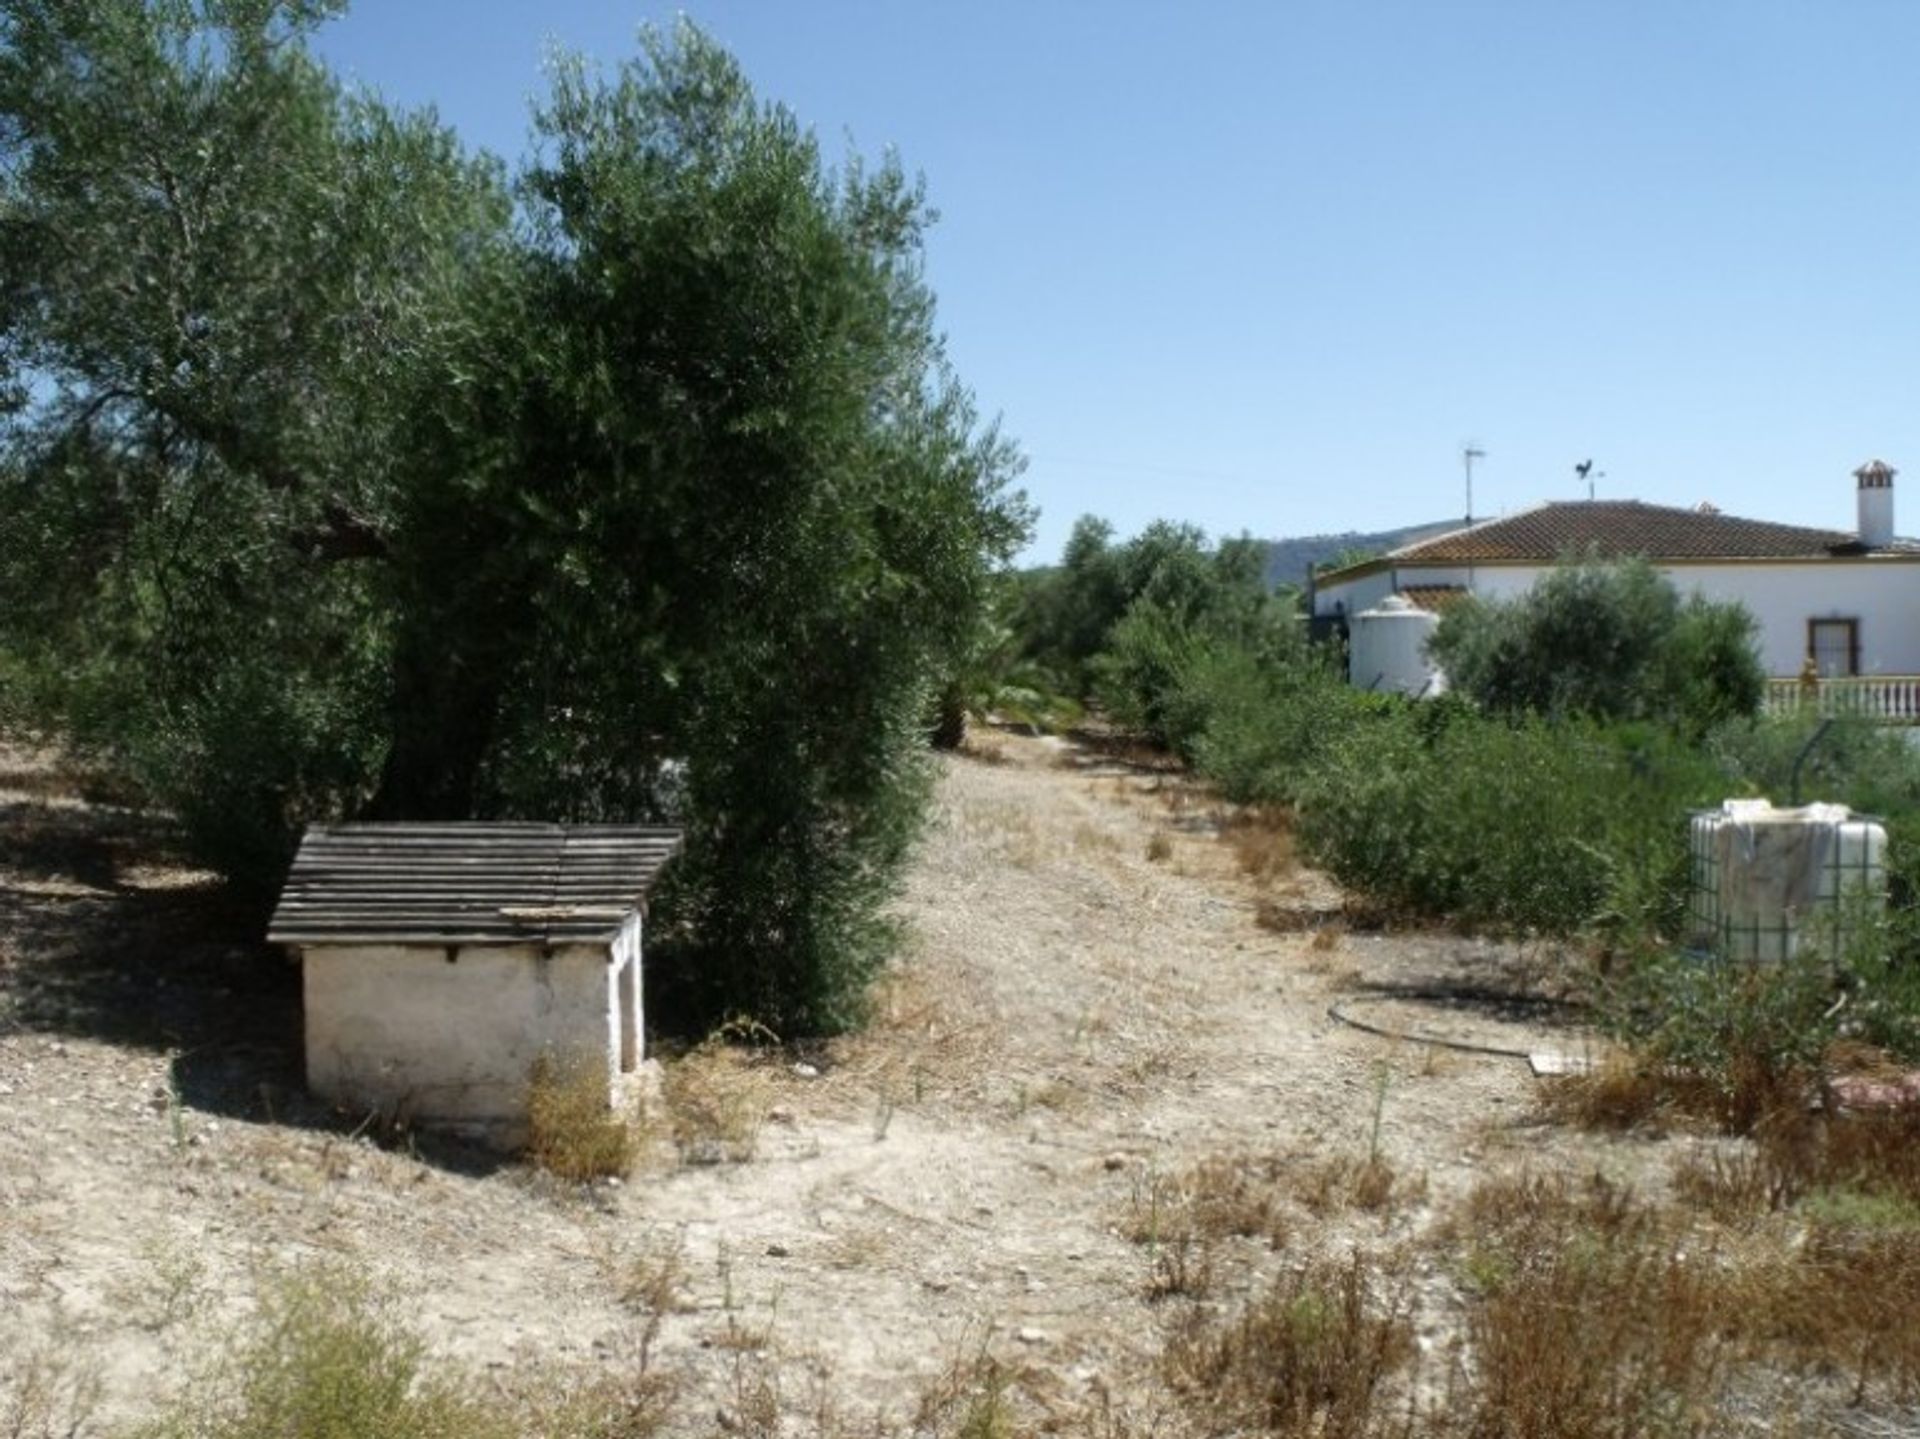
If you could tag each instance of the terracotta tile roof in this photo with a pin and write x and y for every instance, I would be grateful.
(1619, 528)
(1437, 599)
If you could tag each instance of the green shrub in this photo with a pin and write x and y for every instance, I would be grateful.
(324, 1357)
(1613, 641)
(1556, 828)
(1266, 726)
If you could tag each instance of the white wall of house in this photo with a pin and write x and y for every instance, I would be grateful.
(450, 1035)
(1880, 592)
(1353, 596)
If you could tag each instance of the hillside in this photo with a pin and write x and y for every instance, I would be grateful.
(1289, 560)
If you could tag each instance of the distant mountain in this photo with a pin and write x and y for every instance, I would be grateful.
(1288, 561)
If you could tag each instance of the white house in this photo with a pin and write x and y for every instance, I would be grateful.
(441, 962)
(1849, 601)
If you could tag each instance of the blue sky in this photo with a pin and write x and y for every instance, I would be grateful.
(1269, 266)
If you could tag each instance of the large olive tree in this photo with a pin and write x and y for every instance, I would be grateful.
(344, 475)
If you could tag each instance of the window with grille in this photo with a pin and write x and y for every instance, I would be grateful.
(1834, 646)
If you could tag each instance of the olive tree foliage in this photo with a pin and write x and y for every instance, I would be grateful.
(1168, 580)
(765, 520)
(222, 282)
(1611, 641)
(347, 475)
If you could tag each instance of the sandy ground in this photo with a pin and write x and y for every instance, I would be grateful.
(1087, 1004)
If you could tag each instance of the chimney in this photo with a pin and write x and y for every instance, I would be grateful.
(1876, 503)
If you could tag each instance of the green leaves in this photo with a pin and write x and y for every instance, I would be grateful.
(344, 485)
(1607, 641)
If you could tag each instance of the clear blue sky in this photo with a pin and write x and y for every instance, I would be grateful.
(1268, 266)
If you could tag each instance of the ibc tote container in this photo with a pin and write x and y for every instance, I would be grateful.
(1768, 884)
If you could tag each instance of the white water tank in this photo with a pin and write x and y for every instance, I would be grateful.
(1387, 649)
(1769, 884)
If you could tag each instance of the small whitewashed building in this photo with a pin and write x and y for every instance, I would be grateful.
(441, 962)
(1846, 603)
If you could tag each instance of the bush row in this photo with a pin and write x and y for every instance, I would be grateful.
(1559, 826)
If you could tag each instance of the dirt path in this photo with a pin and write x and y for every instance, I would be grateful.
(1088, 1005)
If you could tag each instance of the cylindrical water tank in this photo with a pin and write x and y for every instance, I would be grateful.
(1387, 649)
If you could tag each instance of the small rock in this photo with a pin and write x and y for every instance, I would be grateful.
(1114, 1161)
(1031, 1336)
(778, 1251)
(806, 1071)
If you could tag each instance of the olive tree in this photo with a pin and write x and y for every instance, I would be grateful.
(345, 474)
(1613, 641)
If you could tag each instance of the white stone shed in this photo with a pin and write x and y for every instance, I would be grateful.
(440, 962)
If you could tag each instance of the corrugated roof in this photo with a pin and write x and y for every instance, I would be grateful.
(467, 882)
(1616, 529)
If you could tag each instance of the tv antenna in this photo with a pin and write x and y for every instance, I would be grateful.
(1470, 452)
(1587, 472)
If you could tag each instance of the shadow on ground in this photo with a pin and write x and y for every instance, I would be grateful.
(107, 933)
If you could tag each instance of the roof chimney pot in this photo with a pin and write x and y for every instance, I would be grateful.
(1876, 503)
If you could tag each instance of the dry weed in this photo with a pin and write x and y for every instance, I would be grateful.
(1181, 1219)
(1221, 1197)
(46, 1390)
(573, 1131)
(1589, 1314)
(1314, 1355)
(1159, 847)
(1346, 1181)
(652, 1280)
(717, 1098)
(1262, 842)
(1798, 1153)
(978, 1395)
(1844, 1305)
(1624, 1093)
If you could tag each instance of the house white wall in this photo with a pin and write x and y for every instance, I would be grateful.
(450, 1035)
(1881, 592)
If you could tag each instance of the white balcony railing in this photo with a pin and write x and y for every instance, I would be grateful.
(1881, 699)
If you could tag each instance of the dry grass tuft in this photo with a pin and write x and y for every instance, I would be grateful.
(1315, 1354)
(1799, 1152)
(1844, 1305)
(980, 1395)
(1632, 1092)
(652, 1280)
(573, 1131)
(46, 1392)
(1221, 1197)
(1159, 847)
(1623, 1094)
(1327, 937)
(1182, 1218)
(717, 1098)
(1589, 1314)
(1344, 1181)
(1262, 842)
